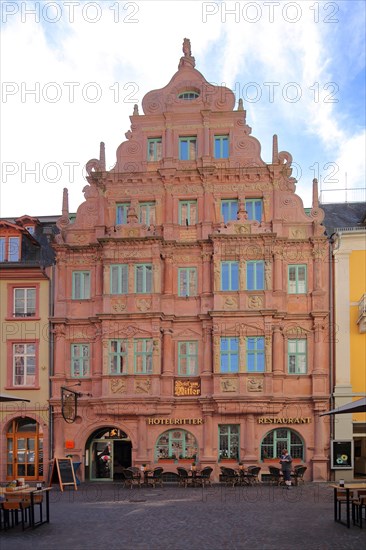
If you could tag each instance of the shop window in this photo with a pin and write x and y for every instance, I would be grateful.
(229, 355)
(118, 357)
(121, 213)
(255, 354)
(221, 147)
(229, 441)
(143, 356)
(119, 279)
(297, 279)
(147, 213)
(187, 212)
(255, 275)
(80, 360)
(254, 208)
(229, 276)
(296, 352)
(81, 285)
(187, 358)
(9, 249)
(188, 148)
(276, 440)
(187, 281)
(24, 364)
(176, 444)
(24, 302)
(24, 449)
(154, 149)
(229, 209)
(143, 278)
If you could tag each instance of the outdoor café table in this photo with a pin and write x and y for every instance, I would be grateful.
(33, 493)
(348, 487)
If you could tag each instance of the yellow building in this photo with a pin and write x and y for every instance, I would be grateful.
(347, 224)
(25, 289)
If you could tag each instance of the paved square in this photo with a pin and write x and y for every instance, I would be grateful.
(108, 516)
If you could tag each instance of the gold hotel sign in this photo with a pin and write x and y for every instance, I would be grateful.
(174, 421)
(187, 388)
(295, 420)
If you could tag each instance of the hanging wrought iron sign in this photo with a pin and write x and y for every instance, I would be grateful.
(69, 404)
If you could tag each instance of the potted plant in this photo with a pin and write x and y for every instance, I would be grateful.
(167, 459)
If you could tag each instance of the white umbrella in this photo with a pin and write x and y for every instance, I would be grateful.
(4, 397)
(354, 407)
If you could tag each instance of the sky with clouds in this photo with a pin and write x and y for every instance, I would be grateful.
(71, 72)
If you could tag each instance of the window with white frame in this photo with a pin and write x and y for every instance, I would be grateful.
(255, 354)
(187, 281)
(24, 364)
(187, 358)
(296, 353)
(229, 209)
(121, 213)
(254, 208)
(154, 149)
(188, 212)
(147, 213)
(188, 148)
(255, 275)
(297, 279)
(229, 437)
(229, 275)
(9, 249)
(143, 348)
(119, 278)
(143, 278)
(81, 285)
(24, 302)
(229, 355)
(80, 360)
(118, 354)
(221, 147)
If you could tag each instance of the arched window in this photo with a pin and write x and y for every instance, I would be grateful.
(188, 95)
(276, 440)
(176, 444)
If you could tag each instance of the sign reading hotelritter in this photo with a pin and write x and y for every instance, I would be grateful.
(295, 420)
(174, 421)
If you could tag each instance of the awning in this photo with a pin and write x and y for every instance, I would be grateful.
(4, 397)
(354, 407)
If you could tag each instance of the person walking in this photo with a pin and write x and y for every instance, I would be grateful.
(286, 462)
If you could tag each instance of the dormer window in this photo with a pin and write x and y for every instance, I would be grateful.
(189, 95)
(30, 229)
(9, 249)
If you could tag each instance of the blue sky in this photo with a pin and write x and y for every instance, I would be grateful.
(299, 67)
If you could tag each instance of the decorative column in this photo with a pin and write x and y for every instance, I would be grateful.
(168, 274)
(317, 267)
(242, 352)
(277, 272)
(216, 358)
(318, 437)
(96, 362)
(207, 351)
(278, 351)
(131, 278)
(318, 357)
(59, 346)
(156, 277)
(167, 352)
(141, 438)
(156, 355)
(207, 434)
(206, 273)
(107, 279)
(168, 205)
(268, 274)
(268, 352)
(250, 437)
(242, 275)
(217, 275)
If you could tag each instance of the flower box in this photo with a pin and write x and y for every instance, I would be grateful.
(166, 460)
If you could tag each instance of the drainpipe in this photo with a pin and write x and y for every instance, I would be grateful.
(51, 362)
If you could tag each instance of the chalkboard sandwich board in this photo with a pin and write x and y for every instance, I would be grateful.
(62, 472)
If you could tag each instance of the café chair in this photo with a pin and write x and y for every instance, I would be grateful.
(183, 475)
(204, 478)
(252, 474)
(130, 479)
(156, 478)
(276, 477)
(341, 497)
(230, 477)
(12, 507)
(358, 504)
(298, 474)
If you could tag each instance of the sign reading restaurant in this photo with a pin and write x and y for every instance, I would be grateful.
(295, 420)
(174, 421)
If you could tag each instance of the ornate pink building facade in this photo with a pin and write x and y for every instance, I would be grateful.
(192, 297)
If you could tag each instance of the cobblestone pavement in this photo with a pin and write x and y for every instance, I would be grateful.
(107, 517)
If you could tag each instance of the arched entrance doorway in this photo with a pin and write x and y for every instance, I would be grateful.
(108, 451)
(24, 449)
